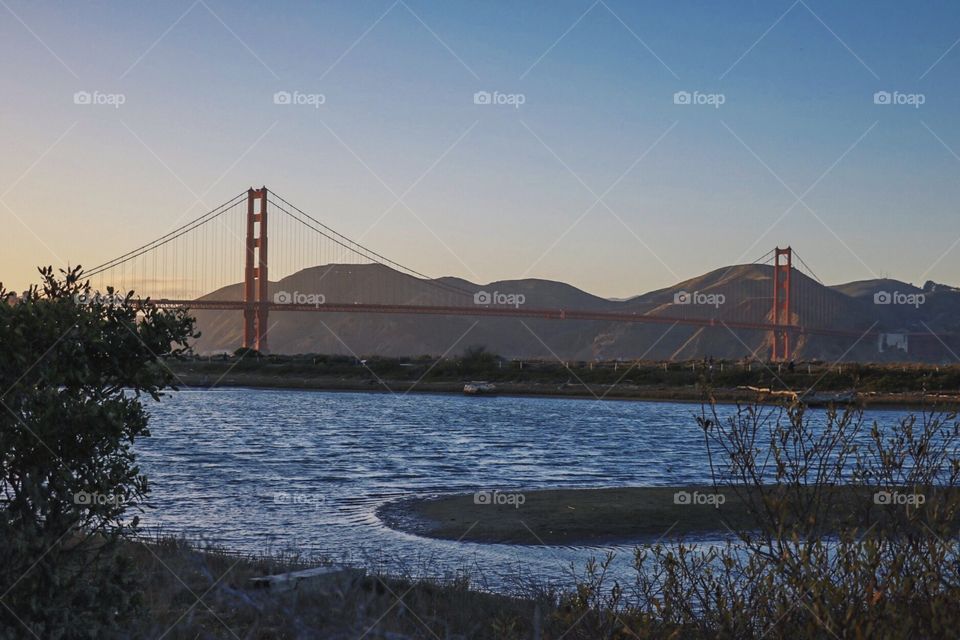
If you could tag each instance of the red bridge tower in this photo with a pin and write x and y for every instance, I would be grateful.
(781, 303)
(256, 305)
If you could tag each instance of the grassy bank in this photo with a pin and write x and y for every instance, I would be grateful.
(192, 593)
(585, 516)
(817, 382)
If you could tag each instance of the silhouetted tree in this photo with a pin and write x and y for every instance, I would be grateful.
(74, 366)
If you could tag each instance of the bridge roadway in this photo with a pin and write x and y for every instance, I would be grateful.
(511, 312)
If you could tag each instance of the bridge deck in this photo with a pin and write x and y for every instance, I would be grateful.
(510, 312)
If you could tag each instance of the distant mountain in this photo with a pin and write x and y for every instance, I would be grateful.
(741, 293)
(867, 288)
(935, 312)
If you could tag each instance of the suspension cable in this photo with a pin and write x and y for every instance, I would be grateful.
(764, 258)
(357, 248)
(807, 267)
(176, 233)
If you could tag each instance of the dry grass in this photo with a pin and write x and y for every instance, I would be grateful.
(193, 593)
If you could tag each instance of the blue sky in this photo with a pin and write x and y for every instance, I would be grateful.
(798, 153)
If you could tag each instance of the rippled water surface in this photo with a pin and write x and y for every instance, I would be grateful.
(289, 470)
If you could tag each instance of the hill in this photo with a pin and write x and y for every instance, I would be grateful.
(741, 293)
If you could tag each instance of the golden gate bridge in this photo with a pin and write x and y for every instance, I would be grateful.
(258, 233)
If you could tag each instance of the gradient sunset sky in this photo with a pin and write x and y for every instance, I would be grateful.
(598, 179)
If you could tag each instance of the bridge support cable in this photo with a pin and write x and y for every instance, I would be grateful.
(188, 261)
(172, 235)
(220, 261)
(358, 250)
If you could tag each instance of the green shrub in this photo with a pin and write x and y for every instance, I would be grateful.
(73, 368)
(890, 572)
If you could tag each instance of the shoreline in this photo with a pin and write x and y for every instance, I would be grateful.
(621, 392)
(562, 517)
(611, 515)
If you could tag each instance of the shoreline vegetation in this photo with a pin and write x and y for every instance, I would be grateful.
(192, 590)
(76, 569)
(622, 515)
(729, 382)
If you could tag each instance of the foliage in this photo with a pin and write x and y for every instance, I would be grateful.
(243, 352)
(479, 364)
(74, 366)
(477, 360)
(892, 572)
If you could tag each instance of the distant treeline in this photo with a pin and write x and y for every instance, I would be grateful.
(478, 364)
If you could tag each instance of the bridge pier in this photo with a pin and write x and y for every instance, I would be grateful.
(256, 303)
(781, 304)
